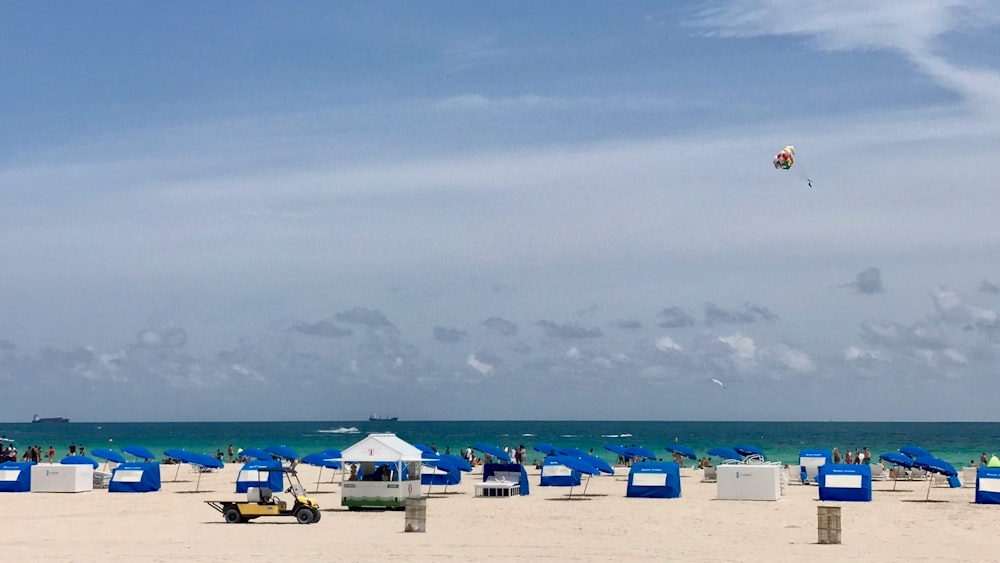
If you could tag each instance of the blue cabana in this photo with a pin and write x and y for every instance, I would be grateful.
(439, 475)
(557, 474)
(810, 461)
(654, 479)
(987, 485)
(249, 476)
(491, 468)
(135, 477)
(843, 482)
(15, 477)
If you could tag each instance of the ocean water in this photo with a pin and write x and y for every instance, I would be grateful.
(956, 442)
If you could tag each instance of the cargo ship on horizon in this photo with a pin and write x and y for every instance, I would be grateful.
(37, 418)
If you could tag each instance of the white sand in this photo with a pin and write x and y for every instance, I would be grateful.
(175, 524)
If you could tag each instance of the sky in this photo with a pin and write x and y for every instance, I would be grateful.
(520, 210)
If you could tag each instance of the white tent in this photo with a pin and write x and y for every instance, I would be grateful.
(388, 472)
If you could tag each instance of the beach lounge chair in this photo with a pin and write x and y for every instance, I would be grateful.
(917, 474)
(710, 475)
(969, 476)
(878, 473)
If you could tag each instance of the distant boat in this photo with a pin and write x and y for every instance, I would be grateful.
(377, 418)
(37, 418)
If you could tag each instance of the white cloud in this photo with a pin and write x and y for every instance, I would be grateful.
(482, 367)
(742, 347)
(795, 360)
(912, 28)
(854, 353)
(667, 344)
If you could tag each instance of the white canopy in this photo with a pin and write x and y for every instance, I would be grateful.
(381, 447)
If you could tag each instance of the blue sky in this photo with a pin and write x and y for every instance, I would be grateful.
(444, 210)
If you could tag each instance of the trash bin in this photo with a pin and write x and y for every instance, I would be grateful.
(416, 514)
(828, 524)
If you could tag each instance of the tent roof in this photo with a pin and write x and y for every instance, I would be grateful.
(382, 447)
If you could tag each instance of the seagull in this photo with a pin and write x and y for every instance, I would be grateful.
(721, 384)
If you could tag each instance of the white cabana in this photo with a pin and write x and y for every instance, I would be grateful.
(387, 471)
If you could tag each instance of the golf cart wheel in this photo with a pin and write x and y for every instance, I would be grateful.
(304, 515)
(316, 515)
(232, 515)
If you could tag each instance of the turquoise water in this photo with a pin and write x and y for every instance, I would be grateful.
(957, 442)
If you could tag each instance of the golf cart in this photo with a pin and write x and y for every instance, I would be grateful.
(260, 502)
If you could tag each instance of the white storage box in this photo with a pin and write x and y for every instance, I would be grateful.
(749, 482)
(56, 478)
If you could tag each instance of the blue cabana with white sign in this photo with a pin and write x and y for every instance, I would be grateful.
(654, 479)
(249, 476)
(987, 485)
(135, 477)
(810, 462)
(843, 482)
(556, 474)
(15, 477)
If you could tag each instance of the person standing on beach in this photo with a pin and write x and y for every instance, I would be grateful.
(836, 456)
(868, 456)
(230, 453)
(52, 454)
(72, 449)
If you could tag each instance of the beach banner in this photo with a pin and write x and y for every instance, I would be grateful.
(988, 485)
(135, 477)
(842, 482)
(651, 479)
(15, 477)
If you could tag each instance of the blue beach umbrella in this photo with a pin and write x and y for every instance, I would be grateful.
(682, 450)
(139, 452)
(546, 448)
(204, 461)
(915, 451)
(639, 451)
(896, 459)
(258, 454)
(725, 453)
(459, 462)
(333, 453)
(284, 452)
(934, 465)
(492, 450)
(79, 460)
(108, 455)
(576, 464)
(425, 449)
(597, 462)
(620, 450)
(321, 460)
(747, 450)
(179, 454)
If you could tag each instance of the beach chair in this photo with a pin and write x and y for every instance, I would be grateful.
(917, 474)
(710, 475)
(969, 476)
(878, 472)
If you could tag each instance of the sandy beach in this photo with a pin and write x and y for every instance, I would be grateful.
(174, 524)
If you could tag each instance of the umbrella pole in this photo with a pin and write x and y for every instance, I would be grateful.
(895, 480)
(319, 477)
(176, 473)
(585, 485)
(198, 484)
(929, 481)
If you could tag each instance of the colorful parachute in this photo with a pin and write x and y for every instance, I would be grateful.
(784, 159)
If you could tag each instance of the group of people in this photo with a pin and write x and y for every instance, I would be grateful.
(859, 456)
(35, 453)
